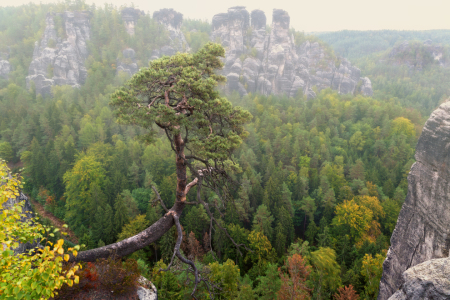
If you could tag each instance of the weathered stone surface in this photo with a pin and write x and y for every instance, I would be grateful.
(417, 56)
(428, 280)
(422, 231)
(130, 16)
(272, 63)
(172, 21)
(128, 62)
(5, 66)
(61, 62)
(366, 86)
(148, 292)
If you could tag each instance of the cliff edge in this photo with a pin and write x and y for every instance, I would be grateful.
(422, 231)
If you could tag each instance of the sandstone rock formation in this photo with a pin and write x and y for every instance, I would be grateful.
(271, 62)
(130, 16)
(416, 55)
(5, 66)
(128, 62)
(60, 61)
(422, 231)
(428, 280)
(172, 21)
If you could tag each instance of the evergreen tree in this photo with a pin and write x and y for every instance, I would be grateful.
(270, 284)
(262, 221)
(121, 215)
(97, 225)
(280, 239)
(108, 228)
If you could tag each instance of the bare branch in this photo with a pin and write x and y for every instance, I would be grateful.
(180, 257)
(208, 211)
(158, 197)
(177, 245)
(190, 185)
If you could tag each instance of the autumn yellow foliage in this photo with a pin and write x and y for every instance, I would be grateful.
(36, 274)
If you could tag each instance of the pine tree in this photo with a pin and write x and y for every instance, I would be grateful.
(280, 239)
(357, 171)
(262, 221)
(243, 203)
(121, 216)
(270, 284)
(286, 199)
(97, 225)
(167, 243)
(108, 228)
(288, 225)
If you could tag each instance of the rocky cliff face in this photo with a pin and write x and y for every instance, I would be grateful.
(271, 63)
(428, 280)
(60, 61)
(172, 20)
(416, 55)
(422, 231)
(127, 63)
(5, 66)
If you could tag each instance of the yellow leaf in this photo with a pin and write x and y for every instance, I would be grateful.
(61, 251)
(60, 242)
(66, 257)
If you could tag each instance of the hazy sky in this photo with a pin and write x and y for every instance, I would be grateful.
(311, 15)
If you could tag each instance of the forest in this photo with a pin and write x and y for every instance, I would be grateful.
(319, 187)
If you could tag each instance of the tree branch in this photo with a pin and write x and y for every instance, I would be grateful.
(190, 185)
(217, 223)
(180, 257)
(158, 197)
(134, 243)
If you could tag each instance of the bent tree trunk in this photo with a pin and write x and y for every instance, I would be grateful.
(157, 229)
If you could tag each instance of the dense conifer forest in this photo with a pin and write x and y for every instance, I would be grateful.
(320, 182)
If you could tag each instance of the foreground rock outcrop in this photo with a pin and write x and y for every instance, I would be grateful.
(422, 231)
(146, 290)
(5, 66)
(57, 60)
(270, 61)
(428, 280)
